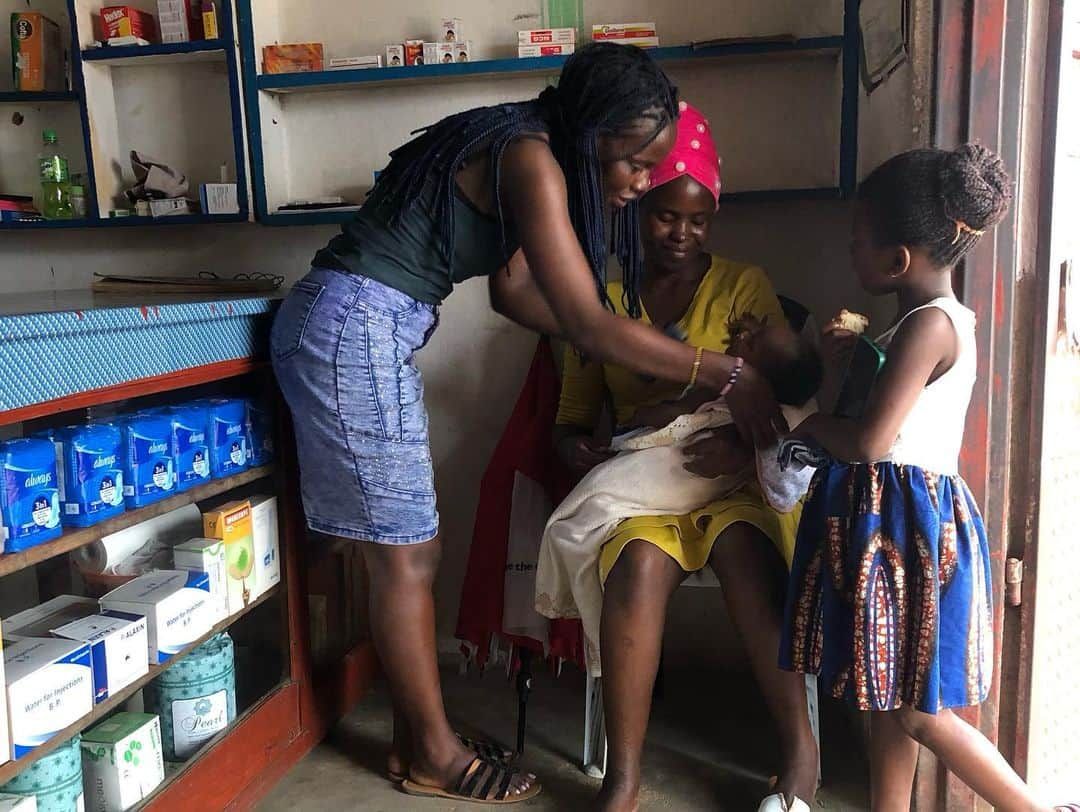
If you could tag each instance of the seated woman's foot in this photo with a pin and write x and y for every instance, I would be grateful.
(397, 767)
(617, 796)
(800, 776)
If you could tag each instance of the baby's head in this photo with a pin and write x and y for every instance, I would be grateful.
(789, 361)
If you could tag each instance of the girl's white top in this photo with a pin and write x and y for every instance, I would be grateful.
(933, 431)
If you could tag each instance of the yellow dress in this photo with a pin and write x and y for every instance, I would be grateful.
(728, 290)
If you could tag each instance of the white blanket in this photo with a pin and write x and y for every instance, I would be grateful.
(650, 481)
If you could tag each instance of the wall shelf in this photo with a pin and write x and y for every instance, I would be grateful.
(75, 538)
(212, 50)
(37, 96)
(125, 222)
(344, 79)
(114, 702)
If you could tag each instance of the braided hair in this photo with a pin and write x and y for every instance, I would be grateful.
(604, 89)
(938, 199)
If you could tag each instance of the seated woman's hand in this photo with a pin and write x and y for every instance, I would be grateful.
(720, 453)
(657, 416)
(582, 453)
(754, 409)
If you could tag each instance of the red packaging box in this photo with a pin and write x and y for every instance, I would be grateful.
(297, 57)
(125, 21)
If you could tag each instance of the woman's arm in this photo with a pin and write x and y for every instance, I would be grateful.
(514, 294)
(915, 354)
(534, 189)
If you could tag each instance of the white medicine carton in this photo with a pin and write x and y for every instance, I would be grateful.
(264, 531)
(207, 555)
(122, 762)
(17, 803)
(118, 644)
(178, 607)
(49, 686)
(117, 640)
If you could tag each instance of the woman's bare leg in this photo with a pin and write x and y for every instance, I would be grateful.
(753, 578)
(403, 630)
(631, 634)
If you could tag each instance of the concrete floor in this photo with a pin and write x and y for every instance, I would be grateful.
(708, 748)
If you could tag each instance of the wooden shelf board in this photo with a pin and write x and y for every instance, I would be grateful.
(80, 537)
(326, 81)
(157, 54)
(37, 96)
(103, 709)
(127, 222)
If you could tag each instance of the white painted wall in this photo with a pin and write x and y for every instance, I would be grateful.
(475, 366)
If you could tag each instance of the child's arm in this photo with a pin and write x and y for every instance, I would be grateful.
(661, 414)
(722, 453)
(924, 344)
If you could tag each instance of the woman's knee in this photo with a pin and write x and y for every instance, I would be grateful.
(406, 564)
(643, 569)
(922, 727)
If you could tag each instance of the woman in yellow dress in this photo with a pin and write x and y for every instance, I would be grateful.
(694, 296)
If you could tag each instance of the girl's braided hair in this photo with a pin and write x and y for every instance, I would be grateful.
(938, 199)
(604, 89)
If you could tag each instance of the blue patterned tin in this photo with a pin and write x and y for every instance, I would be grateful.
(195, 697)
(54, 780)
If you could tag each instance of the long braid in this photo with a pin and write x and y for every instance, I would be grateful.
(604, 89)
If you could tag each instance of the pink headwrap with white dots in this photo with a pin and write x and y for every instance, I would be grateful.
(694, 154)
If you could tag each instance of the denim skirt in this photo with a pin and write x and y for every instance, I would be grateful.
(342, 347)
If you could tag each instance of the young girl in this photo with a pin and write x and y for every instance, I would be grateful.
(890, 595)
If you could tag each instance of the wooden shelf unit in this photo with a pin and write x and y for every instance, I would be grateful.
(242, 763)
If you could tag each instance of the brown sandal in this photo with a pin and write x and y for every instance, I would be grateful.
(485, 749)
(477, 781)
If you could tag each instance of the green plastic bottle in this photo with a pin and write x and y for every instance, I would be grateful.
(55, 180)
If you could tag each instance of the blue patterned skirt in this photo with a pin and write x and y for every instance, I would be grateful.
(889, 600)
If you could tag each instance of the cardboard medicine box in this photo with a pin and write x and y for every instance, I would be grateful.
(17, 803)
(232, 524)
(50, 685)
(264, 536)
(127, 21)
(297, 57)
(117, 641)
(37, 55)
(122, 762)
(178, 607)
(207, 555)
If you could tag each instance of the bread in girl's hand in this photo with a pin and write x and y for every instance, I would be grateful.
(852, 322)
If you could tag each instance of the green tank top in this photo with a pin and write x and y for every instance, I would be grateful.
(409, 257)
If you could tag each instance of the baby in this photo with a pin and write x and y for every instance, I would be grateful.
(650, 476)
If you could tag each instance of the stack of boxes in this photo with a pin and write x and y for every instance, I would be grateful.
(451, 47)
(546, 42)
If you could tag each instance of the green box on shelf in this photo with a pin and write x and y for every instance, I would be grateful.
(122, 762)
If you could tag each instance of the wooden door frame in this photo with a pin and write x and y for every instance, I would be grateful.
(985, 76)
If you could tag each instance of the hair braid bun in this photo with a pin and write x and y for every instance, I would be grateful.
(975, 186)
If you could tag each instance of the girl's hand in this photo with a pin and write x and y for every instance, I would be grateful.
(754, 409)
(582, 453)
(837, 345)
(719, 453)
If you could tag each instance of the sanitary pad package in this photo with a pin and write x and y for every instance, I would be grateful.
(260, 434)
(149, 458)
(29, 494)
(89, 464)
(191, 433)
(228, 435)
